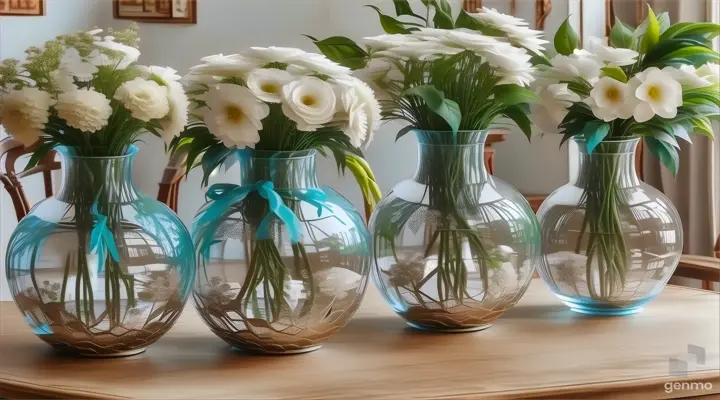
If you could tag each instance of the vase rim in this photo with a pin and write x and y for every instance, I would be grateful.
(130, 152)
(632, 139)
(281, 155)
(482, 131)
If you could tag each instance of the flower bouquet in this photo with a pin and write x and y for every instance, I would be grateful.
(283, 261)
(453, 246)
(658, 82)
(99, 268)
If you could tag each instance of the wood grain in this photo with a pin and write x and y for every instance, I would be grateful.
(537, 350)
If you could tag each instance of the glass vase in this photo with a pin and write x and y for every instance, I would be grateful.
(611, 241)
(454, 247)
(283, 262)
(100, 269)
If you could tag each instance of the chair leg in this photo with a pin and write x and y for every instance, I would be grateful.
(707, 285)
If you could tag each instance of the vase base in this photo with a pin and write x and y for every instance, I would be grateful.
(119, 354)
(448, 330)
(603, 309)
(279, 352)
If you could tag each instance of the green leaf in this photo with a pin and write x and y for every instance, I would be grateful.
(464, 20)
(652, 32)
(436, 101)
(621, 36)
(443, 15)
(402, 7)
(666, 153)
(517, 115)
(614, 72)
(709, 30)
(390, 25)
(595, 132)
(343, 51)
(566, 40)
(403, 132)
(663, 21)
(514, 94)
(39, 154)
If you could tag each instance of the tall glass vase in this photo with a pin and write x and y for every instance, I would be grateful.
(611, 241)
(283, 262)
(100, 269)
(453, 247)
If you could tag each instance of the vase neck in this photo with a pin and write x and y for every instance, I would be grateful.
(90, 179)
(447, 161)
(611, 163)
(285, 169)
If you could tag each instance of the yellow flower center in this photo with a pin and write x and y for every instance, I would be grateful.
(309, 100)
(613, 94)
(269, 88)
(654, 93)
(234, 114)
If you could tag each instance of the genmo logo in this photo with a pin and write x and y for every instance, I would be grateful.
(687, 387)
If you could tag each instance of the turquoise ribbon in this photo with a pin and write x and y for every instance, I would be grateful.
(101, 238)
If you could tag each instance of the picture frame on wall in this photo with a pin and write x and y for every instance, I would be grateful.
(28, 8)
(160, 11)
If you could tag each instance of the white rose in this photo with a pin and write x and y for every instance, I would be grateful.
(310, 102)
(267, 83)
(86, 110)
(25, 112)
(234, 115)
(146, 100)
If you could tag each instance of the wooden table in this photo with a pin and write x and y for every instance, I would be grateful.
(537, 350)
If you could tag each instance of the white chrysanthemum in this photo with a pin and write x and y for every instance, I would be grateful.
(146, 100)
(317, 63)
(383, 42)
(611, 99)
(470, 40)
(74, 65)
(421, 50)
(126, 54)
(86, 110)
(512, 64)
(361, 111)
(567, 68)
(659, 93)
(524, 37)
(62, 80)
(225, 66)
(267, 83)
(491, 16)
(550, 111)
(177, 118)
(710, 72)
(310, 102)
(610, 55)
(234, 115)
(25, 112)
(688, 77)
(273, 54)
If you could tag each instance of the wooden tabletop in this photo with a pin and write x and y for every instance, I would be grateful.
(537, 350)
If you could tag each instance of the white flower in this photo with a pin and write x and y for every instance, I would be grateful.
(688, 77)
(470, 40)
(567, 68)
(383, 42)
(491, 16)
(550, 111)
(75, 66)
(310, 102)
(361, 111)
(146, 100)
(234, 114)
(710, 72)
(659, 93)
(25, 112)
(225, 66)
(86, 110)
(316, 63)
(164, 74)
(62, 80)
(126, 54)
(611, 99)
(177, 118)
(511, 63)
(524, 37)
(267, 83)
(421, 50)
(611, 56)
(273, 54)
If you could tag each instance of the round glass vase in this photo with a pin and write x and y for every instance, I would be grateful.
(453, 247)
(100, 269)
(266, 283)
(611, 241)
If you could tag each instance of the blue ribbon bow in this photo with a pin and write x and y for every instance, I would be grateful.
(224, 195)
(101, 238)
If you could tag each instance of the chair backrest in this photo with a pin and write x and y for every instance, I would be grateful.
(10, 151)
(169, 190)
(717, 248)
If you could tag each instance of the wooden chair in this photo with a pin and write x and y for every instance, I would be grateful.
(705, 269)
(169, 190)
(10, 151)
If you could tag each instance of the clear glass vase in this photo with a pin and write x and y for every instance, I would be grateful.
(611, 241)
(100, 269)
(282, 262)
(454, 247)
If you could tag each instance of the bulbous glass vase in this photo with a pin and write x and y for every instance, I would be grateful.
(611, 241)
(100, 269)
(282, 262)
(454, 247)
